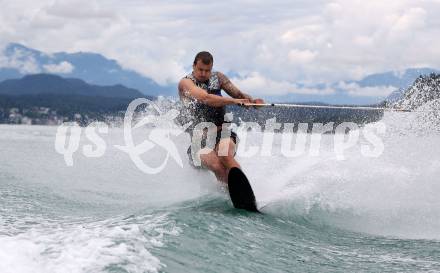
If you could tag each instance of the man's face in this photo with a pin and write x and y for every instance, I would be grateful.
(202, 71)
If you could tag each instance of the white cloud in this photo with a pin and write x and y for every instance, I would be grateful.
(62, 68)
(301, 56)
(300, 41)
(261, 86)
(412, 19)
(21, 60)
(80, 9)
(303, 33)
(353, 89)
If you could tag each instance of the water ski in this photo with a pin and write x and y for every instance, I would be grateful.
(240, 191)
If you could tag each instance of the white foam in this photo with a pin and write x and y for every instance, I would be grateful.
(88, 247)
(395, 194)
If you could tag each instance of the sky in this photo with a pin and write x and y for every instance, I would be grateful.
(274, 47)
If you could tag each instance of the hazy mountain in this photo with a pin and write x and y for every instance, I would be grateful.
(90, 67)
(96, 69)
(343, 91)
(56, 85)
(399, 80)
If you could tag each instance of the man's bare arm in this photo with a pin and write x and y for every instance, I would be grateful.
(231, 89)
(188, 89)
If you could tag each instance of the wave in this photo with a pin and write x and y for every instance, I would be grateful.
(87, 246)
(393, 195)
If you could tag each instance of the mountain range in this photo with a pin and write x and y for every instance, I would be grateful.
(18, 60)
(52, 84)
(92, 68)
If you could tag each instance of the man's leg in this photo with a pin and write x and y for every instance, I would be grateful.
(221, 160)
(226, 151)
(211, 161)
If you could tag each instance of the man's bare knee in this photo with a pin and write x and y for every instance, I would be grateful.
(226, 147)
(217, 167)
(219, 170)
(212, 161)
(226, 159)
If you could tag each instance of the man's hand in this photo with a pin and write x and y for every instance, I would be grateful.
(241, 102)
(258, 101)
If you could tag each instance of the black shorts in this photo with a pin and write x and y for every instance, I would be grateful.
(231, 135)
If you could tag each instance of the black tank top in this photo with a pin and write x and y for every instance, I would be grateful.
(197, 112)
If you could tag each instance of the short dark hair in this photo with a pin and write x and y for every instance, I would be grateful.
(205, 57)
